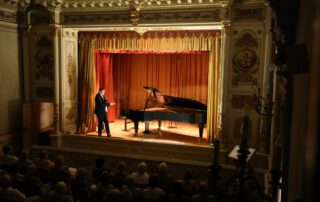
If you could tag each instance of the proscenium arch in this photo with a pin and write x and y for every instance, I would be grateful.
(214, 80)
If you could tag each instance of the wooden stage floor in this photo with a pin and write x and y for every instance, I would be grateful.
(171, 132)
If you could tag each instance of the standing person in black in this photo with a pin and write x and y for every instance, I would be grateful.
(101, 110)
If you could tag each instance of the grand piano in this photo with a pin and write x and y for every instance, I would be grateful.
(170, 108)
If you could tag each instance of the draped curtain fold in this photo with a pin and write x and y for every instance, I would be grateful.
(181, 75)
(104, 79)
(150, 41)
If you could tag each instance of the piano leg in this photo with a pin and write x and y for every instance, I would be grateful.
(136, 127)
(159, 127)
(146, 128)
(201, 126)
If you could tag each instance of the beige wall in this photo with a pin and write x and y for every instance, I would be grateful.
(10, 85)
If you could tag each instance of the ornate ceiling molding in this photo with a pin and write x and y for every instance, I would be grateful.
(135, 12)
(118, 5)
(142, 4)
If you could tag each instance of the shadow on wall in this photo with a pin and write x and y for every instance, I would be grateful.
(37, 123)
(14, 115)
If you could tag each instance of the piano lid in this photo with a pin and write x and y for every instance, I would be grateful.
(172, 101)
(151, 91)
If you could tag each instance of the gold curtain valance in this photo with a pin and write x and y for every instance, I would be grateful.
(152, 40)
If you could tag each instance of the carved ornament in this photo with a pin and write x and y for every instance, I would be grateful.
(44, 58)
(44, 92)
(8, 16)
(247, 40)
(240, 14)
(245, 60)
(71, 114)
(70, 69)
(242, 102)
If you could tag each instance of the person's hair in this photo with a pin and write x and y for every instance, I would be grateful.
(203, 187)
(43, 154)
(59, 160)
(5, 181)
(126, 195)
(121, 166)
(178, 187)
(7, 149)
(142, 167)
(61, 187)
(31, 170)
(84, 194)
(105, 178)
(100, 162)
(153, 180)
(163, 168)
(188, 175)
(101, 89)
(82, 173)
(130, 181)
(24, 155)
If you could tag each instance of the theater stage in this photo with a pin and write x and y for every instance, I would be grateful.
(177, 144)
(171, 132)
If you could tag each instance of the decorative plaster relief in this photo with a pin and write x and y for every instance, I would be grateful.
(96, 18)
(8, 16)
(71, 114)
(258, 14)
(41, 18)
(243, 102)
(135, 16)
(212, 15)
(70, 89)
(245, 59)
(43, 58)
(69, 124)
(45, 93)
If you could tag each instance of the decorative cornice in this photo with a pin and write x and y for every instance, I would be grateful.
(8, 16)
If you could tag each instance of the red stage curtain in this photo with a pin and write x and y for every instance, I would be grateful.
(104, 78)
(182, 75)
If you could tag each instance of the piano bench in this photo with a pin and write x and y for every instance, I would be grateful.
(126, 121)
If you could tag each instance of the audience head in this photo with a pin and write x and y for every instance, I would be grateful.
(105, 178)
(215, 169)
(59, 160)
(84, 194)
(142, 167)
(7, 149)
(153, 180)
(100, 162)
(5, 181)
(2, 172)
(82, 173)
(130, 181)
(61, 188)
(114, 195)
(121, 166)
(43, 154)
(24, 155)
(126, 195)
(163, 168)
(203, 187)
(188, 175)
(178, 187)
(31, 170)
